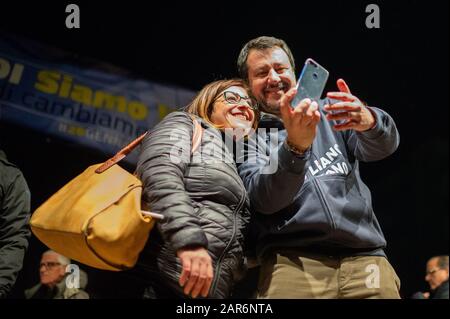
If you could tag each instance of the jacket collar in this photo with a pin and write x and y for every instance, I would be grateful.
(268, 120)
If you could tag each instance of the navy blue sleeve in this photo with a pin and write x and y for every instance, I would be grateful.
(376, 143)
(271, 173)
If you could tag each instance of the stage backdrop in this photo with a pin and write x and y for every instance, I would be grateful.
(83, 101)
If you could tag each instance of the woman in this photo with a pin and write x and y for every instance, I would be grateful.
(197, 249)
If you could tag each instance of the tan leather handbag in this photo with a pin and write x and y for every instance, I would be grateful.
(96, 218)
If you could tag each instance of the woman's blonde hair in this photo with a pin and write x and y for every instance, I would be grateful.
(203, 104)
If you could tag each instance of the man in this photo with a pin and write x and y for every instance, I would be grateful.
(317, 235)
(14, 217)
(52, 271)
(437, 278)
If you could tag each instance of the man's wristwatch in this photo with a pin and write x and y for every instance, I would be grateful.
(297, 151)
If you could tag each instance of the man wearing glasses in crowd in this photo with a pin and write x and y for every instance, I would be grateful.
(437, 278)
(52, 271)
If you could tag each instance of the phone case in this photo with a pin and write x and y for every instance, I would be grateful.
(311, 82)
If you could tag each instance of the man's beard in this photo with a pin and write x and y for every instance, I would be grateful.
(270, 107)
(273, 106)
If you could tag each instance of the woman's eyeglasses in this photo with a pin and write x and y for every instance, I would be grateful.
(234, 98)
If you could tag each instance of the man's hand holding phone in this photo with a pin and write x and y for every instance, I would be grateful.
(354, 114)
(299, 108)
(299, 120)
(300, 113)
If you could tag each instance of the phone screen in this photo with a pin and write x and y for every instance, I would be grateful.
(311, 82)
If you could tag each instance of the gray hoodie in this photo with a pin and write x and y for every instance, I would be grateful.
(317, 202)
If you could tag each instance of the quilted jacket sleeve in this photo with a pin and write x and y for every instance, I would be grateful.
(164, 157)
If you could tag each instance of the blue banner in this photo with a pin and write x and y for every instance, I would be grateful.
(77, 100)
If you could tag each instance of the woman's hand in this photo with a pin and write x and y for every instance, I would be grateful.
(197, 274)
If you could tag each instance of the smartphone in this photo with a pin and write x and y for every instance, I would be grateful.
(311, 82)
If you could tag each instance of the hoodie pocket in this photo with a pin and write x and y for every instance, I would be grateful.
(308, 213)
(350, 212)
(331, 208)
(343, 199)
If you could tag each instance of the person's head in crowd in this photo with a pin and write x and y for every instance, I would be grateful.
(437, 271)
(52, 268)
(226, 104)
(268, 66)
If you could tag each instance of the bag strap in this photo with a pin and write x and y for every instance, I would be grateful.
(196, 134)
(120, 155)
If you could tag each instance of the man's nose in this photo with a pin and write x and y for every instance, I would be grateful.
(274, 77)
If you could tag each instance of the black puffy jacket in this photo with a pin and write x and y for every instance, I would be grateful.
(14, 218)
(202, 198)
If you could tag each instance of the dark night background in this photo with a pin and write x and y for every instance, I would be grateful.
(401, 67)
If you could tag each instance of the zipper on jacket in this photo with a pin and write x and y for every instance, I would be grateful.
(324, 203)
(322, 198)
(219, 261)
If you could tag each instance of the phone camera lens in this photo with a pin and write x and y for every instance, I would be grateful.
(315, 76)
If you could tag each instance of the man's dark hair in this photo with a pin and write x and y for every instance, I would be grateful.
(261, 43)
